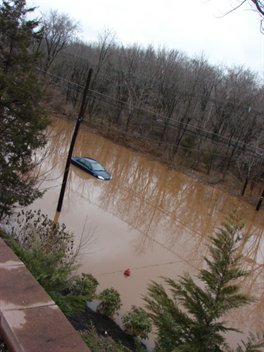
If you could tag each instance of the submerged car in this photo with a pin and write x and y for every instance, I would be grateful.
(92, 166)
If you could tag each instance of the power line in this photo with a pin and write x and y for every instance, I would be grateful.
(203, 132)
(183, 93)
(197, 129)
(247, 108)
(179, 261)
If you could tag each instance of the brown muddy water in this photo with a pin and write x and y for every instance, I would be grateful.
(148, 218)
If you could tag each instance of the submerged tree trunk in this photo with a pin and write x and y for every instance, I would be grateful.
(244, 186)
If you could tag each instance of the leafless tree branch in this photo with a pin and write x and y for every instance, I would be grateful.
(233, 9)
(259, 6)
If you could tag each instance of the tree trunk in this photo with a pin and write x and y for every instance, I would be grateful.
(245, 186)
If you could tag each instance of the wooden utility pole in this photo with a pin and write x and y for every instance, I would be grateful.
(260, 200)
(74, 136)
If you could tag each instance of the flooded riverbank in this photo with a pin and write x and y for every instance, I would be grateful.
(148, 218)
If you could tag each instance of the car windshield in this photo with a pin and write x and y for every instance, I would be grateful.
(86, 163)
(97, 167)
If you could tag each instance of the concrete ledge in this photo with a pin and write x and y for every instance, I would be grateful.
(29, 320)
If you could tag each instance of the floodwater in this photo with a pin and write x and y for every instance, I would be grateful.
(148, 218)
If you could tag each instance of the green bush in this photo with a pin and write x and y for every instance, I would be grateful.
(47, 268)
(53, 274)
(47, 250)
(110, 302)
(137, 322)
(85, 285)
(31, 226)
(98, 343)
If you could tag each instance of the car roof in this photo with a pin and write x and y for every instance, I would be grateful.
(89, 159)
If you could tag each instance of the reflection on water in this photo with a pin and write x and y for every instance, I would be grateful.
(149, 218)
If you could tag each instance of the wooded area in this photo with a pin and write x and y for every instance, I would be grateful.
(178, 108)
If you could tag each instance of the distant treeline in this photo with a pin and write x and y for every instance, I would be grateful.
(179, 108)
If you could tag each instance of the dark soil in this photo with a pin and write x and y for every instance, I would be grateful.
(104, 327)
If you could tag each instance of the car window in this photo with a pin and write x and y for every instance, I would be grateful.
(86, 163)
(97, 167)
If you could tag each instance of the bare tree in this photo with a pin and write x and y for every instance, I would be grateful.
(201, 115)
(102, 54)
(259, 4)
(59, 31)
(250, 167)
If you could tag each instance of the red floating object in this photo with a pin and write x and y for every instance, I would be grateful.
(127, 272)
